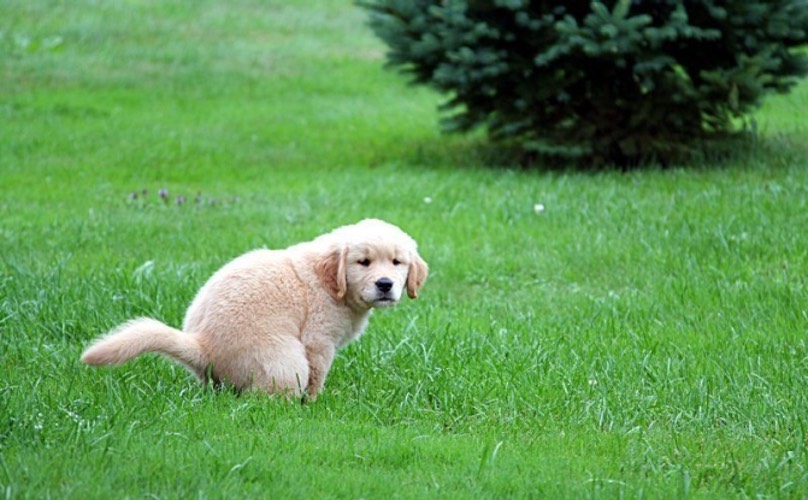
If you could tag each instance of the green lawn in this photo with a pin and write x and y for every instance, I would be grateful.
(643, 336)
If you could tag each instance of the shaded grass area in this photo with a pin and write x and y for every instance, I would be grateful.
(644, 335)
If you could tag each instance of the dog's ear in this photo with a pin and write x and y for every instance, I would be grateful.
(416, 275)
(331, 269)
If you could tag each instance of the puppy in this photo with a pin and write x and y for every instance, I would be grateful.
(272, 320)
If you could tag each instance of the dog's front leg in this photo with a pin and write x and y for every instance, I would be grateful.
(320, 356)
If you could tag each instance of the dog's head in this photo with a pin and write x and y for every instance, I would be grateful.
(370, 264)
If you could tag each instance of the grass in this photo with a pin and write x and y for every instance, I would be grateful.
(644, 336)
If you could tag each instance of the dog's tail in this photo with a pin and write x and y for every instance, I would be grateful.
(144, 335)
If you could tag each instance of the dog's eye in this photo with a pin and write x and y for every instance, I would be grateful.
(396, 262)
(364, 262)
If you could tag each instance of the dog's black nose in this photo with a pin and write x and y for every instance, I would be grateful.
(384, 284)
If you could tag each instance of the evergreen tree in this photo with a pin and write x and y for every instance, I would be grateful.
(614, 80)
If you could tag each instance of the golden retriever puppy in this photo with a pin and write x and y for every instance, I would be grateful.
(272, 320)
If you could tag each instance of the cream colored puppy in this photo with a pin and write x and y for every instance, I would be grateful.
(272, 320)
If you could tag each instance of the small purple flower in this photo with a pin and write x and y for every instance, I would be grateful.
(163, 194)
(133, 195)
(180, 200)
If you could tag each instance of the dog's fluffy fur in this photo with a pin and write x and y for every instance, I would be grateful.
(272, 320)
